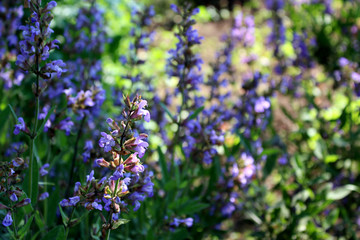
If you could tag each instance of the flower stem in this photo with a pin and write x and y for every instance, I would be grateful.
(108, 234)
(73, 161)
(67, 225)
(33, 134)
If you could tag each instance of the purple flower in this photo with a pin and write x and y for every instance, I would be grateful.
(176, 222)
(118, 173)
(188, 222)
(44, 171)
(20, 126)
(141, 111)
(97, 206)
(261, 104)
(282, 160)
(87, 150)
(66, 125)
(74, 200)
(55, 67)
(24, 202)
(77, 186)
(141, 146)
(43, 196)
(106, 142)
(174, 8)
(51, 5)
(228, 209)
(7, 220)
(343, 62)
(356, 77)
(64, 203)
(90, 177)
(13, 197)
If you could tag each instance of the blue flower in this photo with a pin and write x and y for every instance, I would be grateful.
(141, 145)
(43, 196)
(106, 142)
(141, 111)
(74, 200)
(20, 126)
(7, 220)
(13, 197)
(44, 171)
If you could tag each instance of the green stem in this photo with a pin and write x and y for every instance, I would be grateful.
(14, 224)
(73, 161)
(110, 216)
(33, 134)
(67, 225)
(108, 234)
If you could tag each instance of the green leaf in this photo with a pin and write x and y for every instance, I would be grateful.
(167, 110)
(119, 222)
(12, 234)
(251, 215)
(13, 113)
(4, 116)
(180, 234)
(163, 166)
(34, 237)
(193, 207)
(38, 220)
(25, 228)
(341, 192)
(47, 183)
(331, 158)
(76, 221)
(57, 233)
(269, 165)
(65, 219)
(196, 113)
(41, 128)
(244, 141)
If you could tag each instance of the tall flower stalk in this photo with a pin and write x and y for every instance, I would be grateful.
(129, 182)
(34, 51)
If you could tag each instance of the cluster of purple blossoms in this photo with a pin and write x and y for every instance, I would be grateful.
(234, 179)
(129, 183)
(85, 102)
(253, 109)
(36, 47)
(88, 35)
(10, 19)
(349, 74)
(182, 63)
(85, 42)
(213, 117)
(302, 61)
(141, 36)
(244, 171)
(186, 66)
(277, 36)
(11, 196)
(243, 30)
(176, 222)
